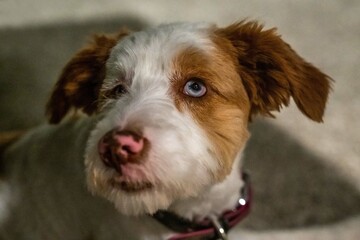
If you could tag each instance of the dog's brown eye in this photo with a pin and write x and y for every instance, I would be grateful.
(116, 91)
(194, 88)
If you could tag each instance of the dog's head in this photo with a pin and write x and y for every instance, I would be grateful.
(173, 104)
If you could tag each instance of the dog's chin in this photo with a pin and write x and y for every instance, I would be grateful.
(131, 197)
(134, 198)
(145, 201)
(130, 186)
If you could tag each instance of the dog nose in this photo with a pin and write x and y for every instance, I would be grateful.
(118, 147)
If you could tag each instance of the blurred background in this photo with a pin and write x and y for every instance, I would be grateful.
(306, 176)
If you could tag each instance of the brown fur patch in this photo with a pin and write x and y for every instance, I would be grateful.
(223, 111)
(272, 72)
(79, 84)
(249, 71)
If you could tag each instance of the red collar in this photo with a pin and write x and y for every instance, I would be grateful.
(211, 227)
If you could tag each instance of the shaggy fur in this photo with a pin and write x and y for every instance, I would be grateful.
(135, 82)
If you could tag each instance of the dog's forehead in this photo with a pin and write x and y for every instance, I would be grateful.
(152, 51)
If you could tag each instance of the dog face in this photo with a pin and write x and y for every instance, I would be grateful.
(172, 105)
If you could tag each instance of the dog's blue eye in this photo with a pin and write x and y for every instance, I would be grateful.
(194, 88)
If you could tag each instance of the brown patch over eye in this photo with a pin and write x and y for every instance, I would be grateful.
(79, 84)
(223, 111)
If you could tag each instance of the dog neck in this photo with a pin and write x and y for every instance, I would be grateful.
(214, 200)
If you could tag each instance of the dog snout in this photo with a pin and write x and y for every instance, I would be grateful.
(118, 147)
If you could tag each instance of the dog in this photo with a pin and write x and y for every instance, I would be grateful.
(150, 124)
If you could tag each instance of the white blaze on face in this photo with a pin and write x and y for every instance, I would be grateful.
(180, 161)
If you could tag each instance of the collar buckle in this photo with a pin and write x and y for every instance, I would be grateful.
(213, 227)
(220, 229)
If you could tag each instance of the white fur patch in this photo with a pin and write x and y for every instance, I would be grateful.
(180, 162)
(215, 199)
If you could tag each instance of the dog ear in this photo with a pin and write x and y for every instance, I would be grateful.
(272, 72)
(80, 81)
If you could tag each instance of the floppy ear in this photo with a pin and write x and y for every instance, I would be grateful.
(272, 72)
(79, 84)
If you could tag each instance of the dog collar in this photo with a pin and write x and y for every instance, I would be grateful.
(211, 227)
